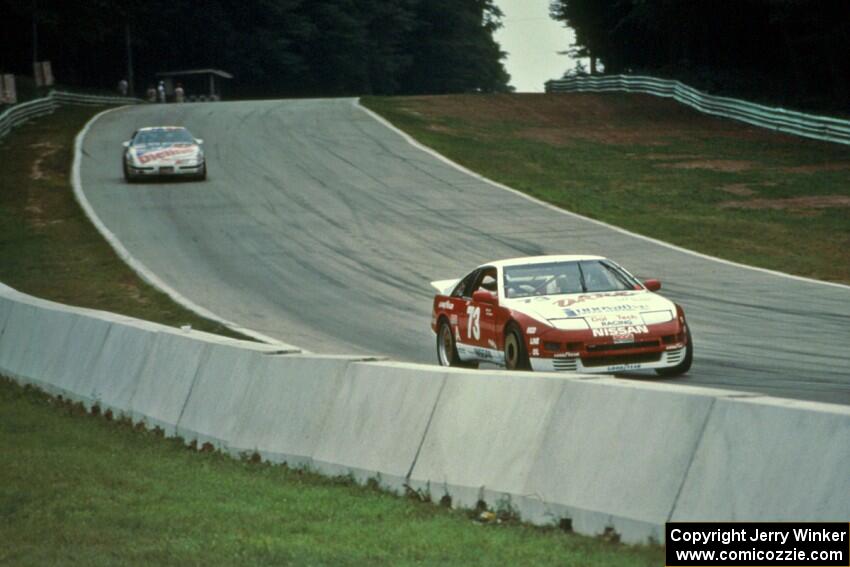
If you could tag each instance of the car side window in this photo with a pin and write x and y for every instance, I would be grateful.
(486, 280)
(464, 288)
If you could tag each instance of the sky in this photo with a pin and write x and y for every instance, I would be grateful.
(532, 40)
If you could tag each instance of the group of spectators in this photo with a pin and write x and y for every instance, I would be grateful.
(155, 94)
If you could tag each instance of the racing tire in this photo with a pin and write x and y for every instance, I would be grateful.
(683, 366)
(447, 350)
(202, 176)
(516, 355)
(127, 177)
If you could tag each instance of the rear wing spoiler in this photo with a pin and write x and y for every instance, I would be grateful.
(444, 287)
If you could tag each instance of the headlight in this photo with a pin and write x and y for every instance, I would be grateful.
(655, 317)
(572, 324)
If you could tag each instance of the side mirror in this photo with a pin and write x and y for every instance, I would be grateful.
(484, 296)
(652, 285)
(199, 141)
(126, 144)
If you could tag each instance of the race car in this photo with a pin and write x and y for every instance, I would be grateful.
(559, 313)
(167, 151)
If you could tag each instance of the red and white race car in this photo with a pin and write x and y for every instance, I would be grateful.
(559, 313)
(165, 151)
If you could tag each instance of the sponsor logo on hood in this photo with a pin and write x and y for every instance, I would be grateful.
(611, 309)
(149, 155)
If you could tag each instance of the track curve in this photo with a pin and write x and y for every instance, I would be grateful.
(322, 227)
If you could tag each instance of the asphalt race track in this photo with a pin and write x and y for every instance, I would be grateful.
(322, 227)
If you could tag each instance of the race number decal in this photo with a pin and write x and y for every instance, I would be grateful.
(473, 323)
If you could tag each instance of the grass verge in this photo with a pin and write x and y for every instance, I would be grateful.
(48, 247)
(80, 489)
(653, 167)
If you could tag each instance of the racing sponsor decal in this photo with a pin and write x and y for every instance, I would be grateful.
(447, 305)
(614, 320)
(453, 319)
(582, 311)
(492, 343)
(483, 353)
(145, 157)
(621, 332)
(535, 352)
(591, 297)
(534, 341)
(531, 330)
(621, 367)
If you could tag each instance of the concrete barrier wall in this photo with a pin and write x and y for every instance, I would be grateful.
(607, 454)
(378, 420)
(767, 458)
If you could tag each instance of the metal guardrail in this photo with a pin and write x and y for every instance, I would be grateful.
(823, 128)
(20, 113)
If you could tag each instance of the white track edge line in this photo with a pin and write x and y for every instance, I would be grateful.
(141, 270)
(415, 143)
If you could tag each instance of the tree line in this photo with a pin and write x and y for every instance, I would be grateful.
(273, 47)
(789, 51)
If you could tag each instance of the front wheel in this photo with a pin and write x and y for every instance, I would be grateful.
(516, 355)
(447, 350)
(683, 366)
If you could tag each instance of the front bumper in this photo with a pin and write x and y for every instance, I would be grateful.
(664, 346)
(664, 359)
(164, 170)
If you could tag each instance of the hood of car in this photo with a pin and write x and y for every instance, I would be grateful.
(596, 310)
(165, 154)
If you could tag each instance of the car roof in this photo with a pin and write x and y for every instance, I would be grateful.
(526, 260)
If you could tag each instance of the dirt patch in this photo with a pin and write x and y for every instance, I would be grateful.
(133, 292)
(818, 168)
(793, 203)
(725, 165)
(44, 151)
(741, 189)
(664, 157)
(442, 129)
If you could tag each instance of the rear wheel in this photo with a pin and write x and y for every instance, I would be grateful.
(516, 355)
(447, 350)
(683, 366)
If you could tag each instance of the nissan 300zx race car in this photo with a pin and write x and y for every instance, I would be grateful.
(559, 313)
(164, 151)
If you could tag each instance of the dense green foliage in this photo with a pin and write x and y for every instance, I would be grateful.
(273, 47)
(791, 51)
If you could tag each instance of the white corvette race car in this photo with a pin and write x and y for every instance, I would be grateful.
(163, 151)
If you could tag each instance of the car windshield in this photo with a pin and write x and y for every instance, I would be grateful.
(558, 278)
(163, 136)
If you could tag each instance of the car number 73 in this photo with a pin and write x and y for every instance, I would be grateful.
(473, 322)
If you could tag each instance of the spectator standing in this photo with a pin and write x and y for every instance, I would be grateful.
(160, 90)
(151, 94)
(123, 86)
(179, 93)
